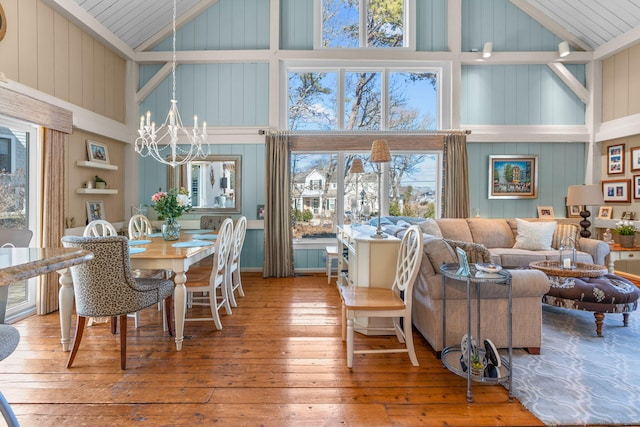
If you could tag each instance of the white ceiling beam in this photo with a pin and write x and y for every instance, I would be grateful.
(88, 23)
(619, 128)
(544, 57)
(550, 24)
(153, 82)
(618, 44)
(570, 80)
(204, 56)
(527, 133)
(180, 22)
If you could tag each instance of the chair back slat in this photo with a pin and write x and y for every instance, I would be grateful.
(408, 262)
(99, 228)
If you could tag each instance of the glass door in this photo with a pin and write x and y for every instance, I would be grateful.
(19, 202)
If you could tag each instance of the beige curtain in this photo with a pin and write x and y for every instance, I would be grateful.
(455, 177)
(278, 245)
(52, 213)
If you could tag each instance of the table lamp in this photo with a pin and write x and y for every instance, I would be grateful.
(357, 168)
(585, 195)
(379, 154)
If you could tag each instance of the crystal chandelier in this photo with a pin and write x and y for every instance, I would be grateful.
(162, 143)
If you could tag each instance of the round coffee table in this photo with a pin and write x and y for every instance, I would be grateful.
(589, 287)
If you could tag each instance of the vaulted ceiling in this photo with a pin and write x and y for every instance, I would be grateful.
(134, 25)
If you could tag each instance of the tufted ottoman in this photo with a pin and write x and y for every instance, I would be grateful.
(604, 294)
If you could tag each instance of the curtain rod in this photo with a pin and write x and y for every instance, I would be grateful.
(365, 132)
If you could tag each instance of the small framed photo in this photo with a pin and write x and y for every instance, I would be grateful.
(635, 159)
(636, 186)
(615, 159)
(573, 211)
(97, 152)
(95, 210)
(463, 263)
(545, 212)
(628, 215)
(260, 212)
(616, 190)
(605, 212)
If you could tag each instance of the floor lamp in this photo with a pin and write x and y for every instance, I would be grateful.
(583, 196)
(357, 168)
(379, 154)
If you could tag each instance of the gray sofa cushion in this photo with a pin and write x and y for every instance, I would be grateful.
(492, 233)
(455, 229)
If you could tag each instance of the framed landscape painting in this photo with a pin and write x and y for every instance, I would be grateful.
(513, 177)
(617, 190)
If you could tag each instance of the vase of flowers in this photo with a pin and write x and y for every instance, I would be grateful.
(170, 206)
(626, 232)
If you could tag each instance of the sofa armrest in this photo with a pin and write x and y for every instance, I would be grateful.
(596, 248)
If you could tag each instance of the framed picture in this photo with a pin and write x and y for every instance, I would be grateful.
(635, 159)
(573, 211)
(629, 216)
(97, 152)
(636, 186)
(513, 177)
(463, 263)
(605, 212)
(617, 190)
(260, 212)
(95, 210)
(545, 212)
(615, 159)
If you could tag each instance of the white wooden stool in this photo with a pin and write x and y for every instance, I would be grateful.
(332, 253)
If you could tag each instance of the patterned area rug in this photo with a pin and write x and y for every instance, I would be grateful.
(579, 378)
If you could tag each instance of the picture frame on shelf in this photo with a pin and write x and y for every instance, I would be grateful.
(546, 212)
(635, 158)
(95, 210)
(629, 216)
(605, 212)
(616, 190)
(513, 177)
(97, 152)
(573, 211)
(615, 159)
(636, 187)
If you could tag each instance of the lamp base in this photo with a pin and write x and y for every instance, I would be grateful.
(378, 235)
(585, 224)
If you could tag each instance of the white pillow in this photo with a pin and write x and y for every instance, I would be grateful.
(534, 236)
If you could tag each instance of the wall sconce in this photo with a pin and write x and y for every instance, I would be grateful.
(487, 50)
(563, 48)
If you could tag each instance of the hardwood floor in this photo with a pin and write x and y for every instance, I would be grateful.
(279, 360)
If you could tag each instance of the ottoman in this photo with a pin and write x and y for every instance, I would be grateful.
(605, 294)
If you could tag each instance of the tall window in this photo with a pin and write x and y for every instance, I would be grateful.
(363, 23)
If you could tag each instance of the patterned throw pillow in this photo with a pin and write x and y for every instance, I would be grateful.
(534, 236)
(562, 231)
(475, 252)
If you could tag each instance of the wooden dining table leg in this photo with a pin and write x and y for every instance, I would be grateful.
(179, 306)
(65, 299)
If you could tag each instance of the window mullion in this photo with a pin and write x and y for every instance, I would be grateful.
(364, 31)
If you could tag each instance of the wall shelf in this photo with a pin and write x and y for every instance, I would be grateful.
(96, 191)
(96, 165)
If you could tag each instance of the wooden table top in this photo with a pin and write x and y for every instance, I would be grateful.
(160, 248)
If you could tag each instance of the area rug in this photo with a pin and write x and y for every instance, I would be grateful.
(578, 378)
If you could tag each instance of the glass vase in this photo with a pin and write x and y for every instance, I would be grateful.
(171, 229)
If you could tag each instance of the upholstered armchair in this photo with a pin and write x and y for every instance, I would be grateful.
(106, 287)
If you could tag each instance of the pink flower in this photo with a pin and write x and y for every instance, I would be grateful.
(158, 196)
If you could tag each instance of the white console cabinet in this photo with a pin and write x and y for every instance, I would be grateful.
(366, 261)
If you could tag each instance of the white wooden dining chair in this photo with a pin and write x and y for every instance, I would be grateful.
(212, 279)
(394, 303)
(139, 227)
(234, 281)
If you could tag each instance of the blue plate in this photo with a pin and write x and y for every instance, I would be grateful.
(191, 244)
(198, 231)
(136, 250)
(154, 235)
(206, 236)
(138, 242)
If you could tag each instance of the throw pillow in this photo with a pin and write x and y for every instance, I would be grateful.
(534, 236)
(475, 252)
(430, 227)
(565, 230)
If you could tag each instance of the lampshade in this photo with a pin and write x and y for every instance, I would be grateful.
(587, 195)
(563, 48)
(356, 166)
(380, 152)
(487, 50)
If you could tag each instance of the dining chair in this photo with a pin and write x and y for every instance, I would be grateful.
(211, 280)
(234, 281)
(106, 287)
(9, 338)
(139, 227)
(394, 303)
(99, 228)
(12, 238)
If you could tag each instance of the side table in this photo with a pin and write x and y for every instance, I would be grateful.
(618, 253)
(451, 355)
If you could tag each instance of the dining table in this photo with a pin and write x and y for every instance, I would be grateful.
(152, 252)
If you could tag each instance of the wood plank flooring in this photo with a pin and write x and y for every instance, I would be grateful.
(278, 361)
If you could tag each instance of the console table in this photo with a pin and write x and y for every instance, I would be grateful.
(618, 253)
(366, 261)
